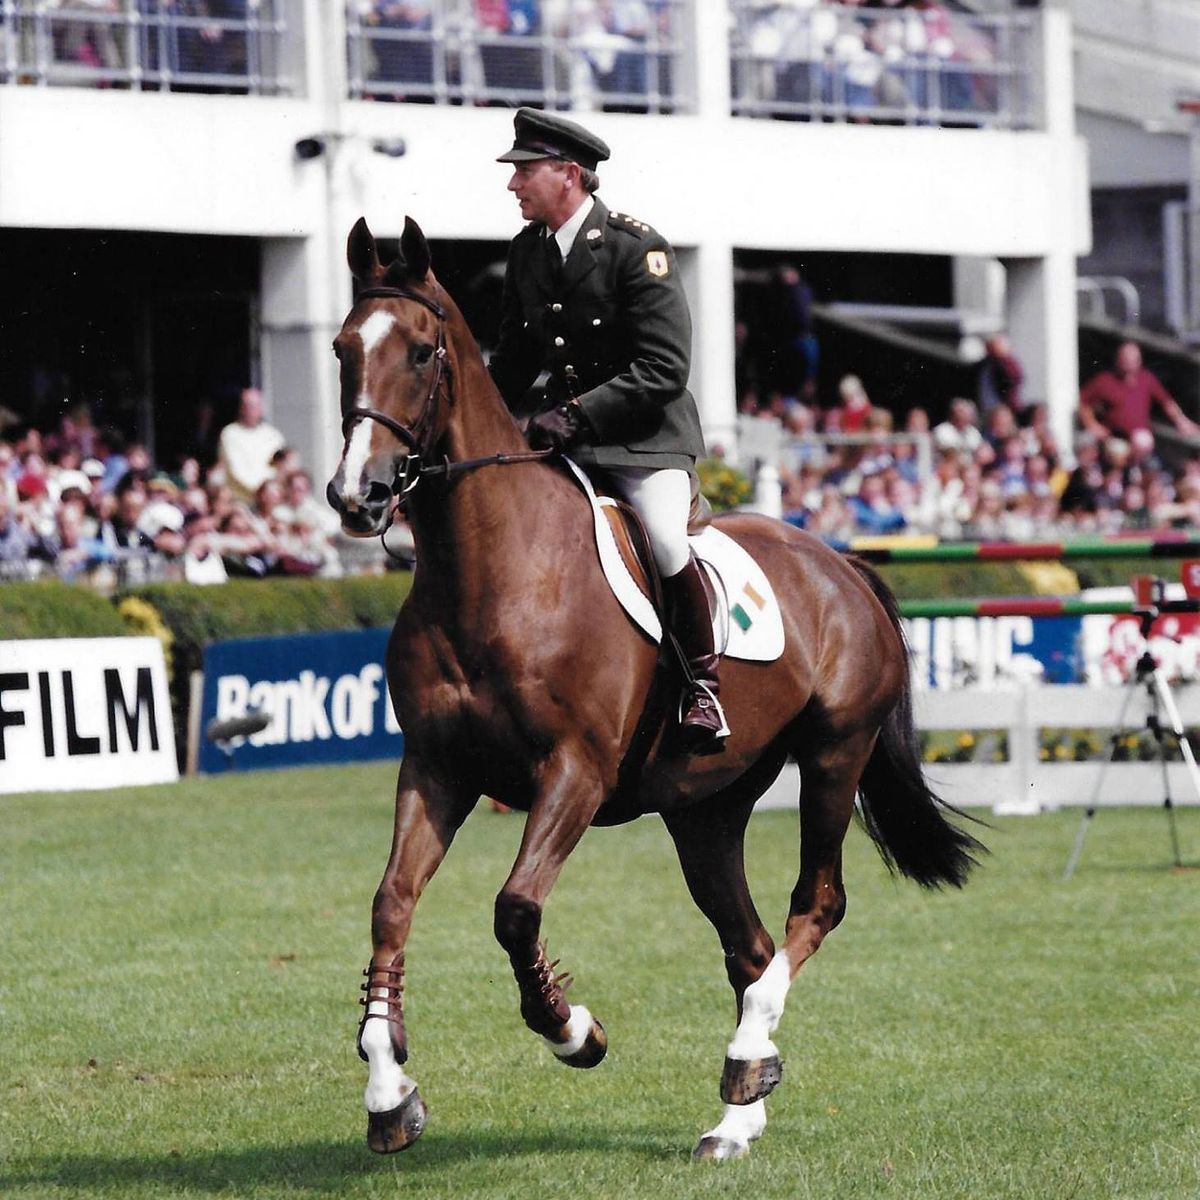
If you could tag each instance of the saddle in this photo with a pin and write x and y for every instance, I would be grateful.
(747, 622)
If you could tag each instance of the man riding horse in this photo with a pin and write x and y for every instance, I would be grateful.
(595, 299)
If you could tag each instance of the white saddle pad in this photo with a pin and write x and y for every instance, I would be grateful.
(747, 623)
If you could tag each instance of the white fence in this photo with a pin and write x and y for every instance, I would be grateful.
(1024, 783)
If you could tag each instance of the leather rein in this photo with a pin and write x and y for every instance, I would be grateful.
(419, 436)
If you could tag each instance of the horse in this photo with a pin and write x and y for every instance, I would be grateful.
(516, 675)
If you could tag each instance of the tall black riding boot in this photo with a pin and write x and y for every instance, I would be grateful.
(702, 725)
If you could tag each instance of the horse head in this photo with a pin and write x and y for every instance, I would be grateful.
(391, 350)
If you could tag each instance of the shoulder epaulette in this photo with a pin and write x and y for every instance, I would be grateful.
(630, 224)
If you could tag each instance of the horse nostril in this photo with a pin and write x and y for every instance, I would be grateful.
(378, 495)
(335, 500)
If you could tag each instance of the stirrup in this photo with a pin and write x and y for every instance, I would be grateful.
(707, 731)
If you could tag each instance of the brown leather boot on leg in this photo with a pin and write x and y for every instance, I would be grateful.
(702, 725)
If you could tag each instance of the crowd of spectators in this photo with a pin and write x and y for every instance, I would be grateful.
(506, 46)
(80, 503)
(996, 470)
(186, 42)
(869, 59)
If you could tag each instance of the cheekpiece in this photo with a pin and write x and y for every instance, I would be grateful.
(547, 135)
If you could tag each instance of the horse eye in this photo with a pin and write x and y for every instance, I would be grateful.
(421, 355)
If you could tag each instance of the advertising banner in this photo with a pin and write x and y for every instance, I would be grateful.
(84, 713)
(990, 652)
(323, 699)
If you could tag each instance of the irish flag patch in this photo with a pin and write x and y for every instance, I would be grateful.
(747, 606)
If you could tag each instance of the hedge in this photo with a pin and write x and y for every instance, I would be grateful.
(50, 609)
(196, 616)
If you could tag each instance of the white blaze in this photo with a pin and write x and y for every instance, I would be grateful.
(358, 449)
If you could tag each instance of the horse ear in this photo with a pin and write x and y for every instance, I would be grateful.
(414, 249)
(361, 253)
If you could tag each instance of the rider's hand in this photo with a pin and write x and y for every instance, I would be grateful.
(557, 429)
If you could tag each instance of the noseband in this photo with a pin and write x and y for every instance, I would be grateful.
(419, 437)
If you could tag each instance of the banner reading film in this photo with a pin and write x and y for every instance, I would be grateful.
(78, 713)
(325, 695)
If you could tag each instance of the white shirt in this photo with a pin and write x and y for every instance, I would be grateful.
(565, 234)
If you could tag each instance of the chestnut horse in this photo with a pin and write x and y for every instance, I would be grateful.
(515, 674)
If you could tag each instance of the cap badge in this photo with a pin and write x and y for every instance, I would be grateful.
(656, 263)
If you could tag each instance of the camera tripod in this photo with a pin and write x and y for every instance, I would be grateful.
(1150, 679)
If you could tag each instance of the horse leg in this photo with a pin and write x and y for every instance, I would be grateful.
(709, 838)
(428, 814)
(830, 779)
(556, 822)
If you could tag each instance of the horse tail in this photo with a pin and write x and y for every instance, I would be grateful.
(904, 818)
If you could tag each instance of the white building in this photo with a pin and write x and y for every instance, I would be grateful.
(1003, 196)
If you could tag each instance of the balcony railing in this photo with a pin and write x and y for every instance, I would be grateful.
(573, 55)
(146, 45)
(905, 66)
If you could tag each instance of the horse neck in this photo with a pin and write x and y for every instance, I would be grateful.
(469, 531)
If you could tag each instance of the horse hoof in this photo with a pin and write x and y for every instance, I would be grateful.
(719, 1149)
(593, 1050)
(399, 1127)
(745, 1080)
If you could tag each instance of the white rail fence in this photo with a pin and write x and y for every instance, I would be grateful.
(1024, 783)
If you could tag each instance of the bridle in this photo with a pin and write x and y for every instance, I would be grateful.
(419, 437)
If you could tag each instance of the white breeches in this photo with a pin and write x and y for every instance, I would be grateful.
(663, 499)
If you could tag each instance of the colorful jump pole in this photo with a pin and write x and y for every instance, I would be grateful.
(1015, 606)
(930, 550)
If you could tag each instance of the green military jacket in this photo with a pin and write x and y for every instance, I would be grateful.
(614, 331)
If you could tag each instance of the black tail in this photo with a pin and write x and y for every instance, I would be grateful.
(905, 819)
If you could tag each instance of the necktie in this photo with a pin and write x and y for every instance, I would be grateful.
(553, 257)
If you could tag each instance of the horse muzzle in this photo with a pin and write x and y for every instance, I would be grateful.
(363, 513)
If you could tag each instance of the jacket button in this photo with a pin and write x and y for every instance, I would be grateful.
(556, 308)
(559, 341)
(595, 320)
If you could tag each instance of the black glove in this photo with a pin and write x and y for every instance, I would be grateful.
(557, 429)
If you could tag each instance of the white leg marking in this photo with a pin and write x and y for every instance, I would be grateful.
(578, 1028)
(762, 1008)
(741, 1123)
(387, 1084)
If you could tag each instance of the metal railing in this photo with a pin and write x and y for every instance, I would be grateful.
(574, 54)
(906, 66)
(145, 45)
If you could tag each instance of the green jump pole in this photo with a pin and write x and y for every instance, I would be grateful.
(1015, 606)
(873, 552)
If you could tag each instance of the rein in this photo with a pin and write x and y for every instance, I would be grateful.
(417, 437)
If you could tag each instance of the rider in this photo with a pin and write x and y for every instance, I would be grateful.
(594, 298)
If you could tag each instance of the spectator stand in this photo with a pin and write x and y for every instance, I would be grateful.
(147, 45)
(928, 65)
(583, 55)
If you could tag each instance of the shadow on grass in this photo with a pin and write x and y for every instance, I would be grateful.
(315, 1166)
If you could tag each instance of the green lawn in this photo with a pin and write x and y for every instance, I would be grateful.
(179, 970)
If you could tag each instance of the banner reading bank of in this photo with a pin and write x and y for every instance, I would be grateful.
(78, 713)
(325, 694)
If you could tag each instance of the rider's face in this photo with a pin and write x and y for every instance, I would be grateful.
(539, 187)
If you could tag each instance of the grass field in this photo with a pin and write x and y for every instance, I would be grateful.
(178, 979)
